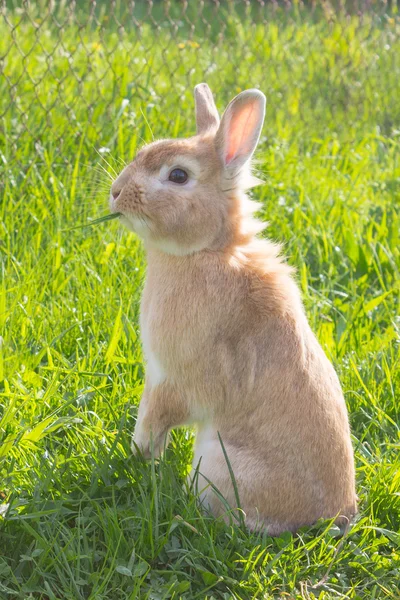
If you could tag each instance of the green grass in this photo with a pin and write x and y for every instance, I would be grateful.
(85, 519)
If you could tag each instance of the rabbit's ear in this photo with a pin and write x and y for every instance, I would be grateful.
(240, 129)
(207, 117)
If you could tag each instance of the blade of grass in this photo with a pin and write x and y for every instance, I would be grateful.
(95, 222)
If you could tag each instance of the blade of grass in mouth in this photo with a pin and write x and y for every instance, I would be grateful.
(95, 222)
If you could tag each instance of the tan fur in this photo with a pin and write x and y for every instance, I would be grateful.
(207, 117)
(228, 344)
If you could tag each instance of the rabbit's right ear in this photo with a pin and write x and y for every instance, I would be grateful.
(240, 128)
(207, 117)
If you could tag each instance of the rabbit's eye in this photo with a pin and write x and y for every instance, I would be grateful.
(178, 176)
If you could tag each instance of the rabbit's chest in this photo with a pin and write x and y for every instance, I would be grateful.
(155, 369)
(170, 332)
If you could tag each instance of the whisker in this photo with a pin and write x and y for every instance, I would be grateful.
(107, 163)
(121, 161)
(95, 189)
(100, 166)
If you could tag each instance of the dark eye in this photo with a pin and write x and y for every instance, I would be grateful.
(178, 176)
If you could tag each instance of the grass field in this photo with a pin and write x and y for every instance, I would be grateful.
(80, 518)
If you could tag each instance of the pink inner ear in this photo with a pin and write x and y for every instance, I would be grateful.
(242, 126)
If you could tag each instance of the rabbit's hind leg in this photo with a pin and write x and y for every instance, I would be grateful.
(247, 486)
(211, 477)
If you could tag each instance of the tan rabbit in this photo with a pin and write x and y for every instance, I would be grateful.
(227, 344)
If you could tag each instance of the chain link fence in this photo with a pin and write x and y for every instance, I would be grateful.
(84, 68)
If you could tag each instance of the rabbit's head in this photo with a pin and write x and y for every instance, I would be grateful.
(183, 195)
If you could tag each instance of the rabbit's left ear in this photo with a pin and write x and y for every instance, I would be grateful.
(207, 117)
(240, 129)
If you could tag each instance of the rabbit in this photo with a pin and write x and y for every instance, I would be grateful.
(226, 340)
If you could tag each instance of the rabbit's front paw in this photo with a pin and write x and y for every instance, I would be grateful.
(141, 444)
(147, 444)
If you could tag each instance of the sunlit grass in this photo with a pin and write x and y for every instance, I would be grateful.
(83, 518)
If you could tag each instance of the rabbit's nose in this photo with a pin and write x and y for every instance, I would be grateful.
(115, 194)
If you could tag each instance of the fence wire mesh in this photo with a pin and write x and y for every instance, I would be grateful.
(78, 68)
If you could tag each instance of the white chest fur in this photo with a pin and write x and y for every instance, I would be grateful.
(155, 372)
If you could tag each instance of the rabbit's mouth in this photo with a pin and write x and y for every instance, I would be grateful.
(136, 222)
(131, 216)
(111, 203)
